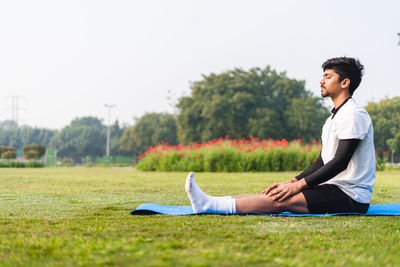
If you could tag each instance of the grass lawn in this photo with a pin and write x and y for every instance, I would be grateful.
(80, 216)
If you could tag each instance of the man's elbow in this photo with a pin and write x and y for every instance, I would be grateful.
(342, 164)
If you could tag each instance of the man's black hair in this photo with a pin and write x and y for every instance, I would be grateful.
(346, 67)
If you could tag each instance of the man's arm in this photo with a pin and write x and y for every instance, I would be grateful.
(339, 163)
(312, 168)
(344, 152)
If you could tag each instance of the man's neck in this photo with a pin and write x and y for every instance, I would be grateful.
(338, 100)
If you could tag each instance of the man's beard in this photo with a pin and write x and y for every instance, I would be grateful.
(324, 93)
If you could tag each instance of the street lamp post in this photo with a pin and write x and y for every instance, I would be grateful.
(108, 129)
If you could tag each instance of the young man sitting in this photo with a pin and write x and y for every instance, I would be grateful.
(340, 180)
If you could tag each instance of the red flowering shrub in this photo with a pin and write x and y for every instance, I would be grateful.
(230, 155)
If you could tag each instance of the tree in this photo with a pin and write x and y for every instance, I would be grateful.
(9, 155)
(33, 151)
(83, 137)
(18, 137)
(149, 130)
(116, 133)
(260, 102)
(8, 124)
(393, 144)
(7, 152)
(385, 116)
(306, 116)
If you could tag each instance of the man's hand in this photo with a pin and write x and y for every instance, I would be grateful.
(268, 190)
(284, 190)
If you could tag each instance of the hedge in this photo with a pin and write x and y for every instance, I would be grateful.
(224, 155)
(20, 164)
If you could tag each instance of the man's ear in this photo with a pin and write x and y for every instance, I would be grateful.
(345, 83)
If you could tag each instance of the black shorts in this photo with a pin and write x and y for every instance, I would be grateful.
(329, 198)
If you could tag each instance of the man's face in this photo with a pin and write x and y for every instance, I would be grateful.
(330, 85)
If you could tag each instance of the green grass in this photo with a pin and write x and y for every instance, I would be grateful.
(80, 216)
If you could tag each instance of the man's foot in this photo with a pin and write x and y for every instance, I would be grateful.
(197, 197)
(201, 202)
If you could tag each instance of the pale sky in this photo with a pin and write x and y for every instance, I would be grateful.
(66, 59)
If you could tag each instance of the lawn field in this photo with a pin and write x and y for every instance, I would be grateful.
(80, 216)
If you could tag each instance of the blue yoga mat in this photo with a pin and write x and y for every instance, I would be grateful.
(151, 208)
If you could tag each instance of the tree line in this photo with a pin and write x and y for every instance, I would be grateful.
(259, 102)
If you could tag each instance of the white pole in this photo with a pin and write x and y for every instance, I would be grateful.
(108, 128)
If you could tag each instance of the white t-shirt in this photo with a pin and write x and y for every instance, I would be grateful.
(352, 122)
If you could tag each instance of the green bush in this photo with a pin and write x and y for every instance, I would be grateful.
(16, 164)
(4, 164)
(32, 154)
(229, 161)
(9, 155)
(34, 164)
(19, 164)
(225, 155)
(381, 163)
(33, 151)
(230, 156)
(4, 149)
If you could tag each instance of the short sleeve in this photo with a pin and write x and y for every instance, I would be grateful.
(353, 125)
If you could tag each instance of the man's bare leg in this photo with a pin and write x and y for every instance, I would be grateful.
(264, 204)
(244, 196)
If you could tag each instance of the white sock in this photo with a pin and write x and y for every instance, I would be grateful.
(201, 202)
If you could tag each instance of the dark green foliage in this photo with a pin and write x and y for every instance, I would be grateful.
(260, 102)
(16, 164)
(6, 149)
(381, 163)
(149, 130)
(115, 135)
(83, 137)
(33, 151)
(229, 160)
(19, 164)
(9, 154)
(34, 164)
(305, 118)
(385, 116)
(31, 154)
(12, 135)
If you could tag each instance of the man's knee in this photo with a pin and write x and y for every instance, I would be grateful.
(296, 203)
(275, 205)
